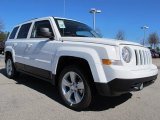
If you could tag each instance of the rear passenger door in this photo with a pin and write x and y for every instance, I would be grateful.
(19, 45)
(17, 40)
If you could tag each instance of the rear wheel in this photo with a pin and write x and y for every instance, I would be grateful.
(74, 88)
(10, 68)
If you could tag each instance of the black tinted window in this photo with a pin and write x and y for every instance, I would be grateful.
(12, 36)
(36, 32)
(24, 31)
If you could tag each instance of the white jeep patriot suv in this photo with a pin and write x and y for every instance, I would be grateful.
(70, 55)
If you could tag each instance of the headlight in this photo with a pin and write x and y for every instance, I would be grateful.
(126, 54)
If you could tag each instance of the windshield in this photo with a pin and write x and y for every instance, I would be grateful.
(69, 28)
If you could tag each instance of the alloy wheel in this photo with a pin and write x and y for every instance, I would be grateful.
(72, 87)
(9, 67)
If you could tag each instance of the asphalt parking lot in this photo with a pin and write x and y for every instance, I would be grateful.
(28, 98)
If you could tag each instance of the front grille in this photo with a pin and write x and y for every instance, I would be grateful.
(143, 57)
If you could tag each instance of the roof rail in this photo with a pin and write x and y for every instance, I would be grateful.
(31, 19)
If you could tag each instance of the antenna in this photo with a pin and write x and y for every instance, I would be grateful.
(64, 8)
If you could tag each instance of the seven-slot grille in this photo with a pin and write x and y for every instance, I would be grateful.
(143, 57)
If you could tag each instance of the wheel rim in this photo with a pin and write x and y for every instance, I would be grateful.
(9, 67)
(72, 88)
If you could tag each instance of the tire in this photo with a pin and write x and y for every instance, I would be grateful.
(74, 88)
(10, 68)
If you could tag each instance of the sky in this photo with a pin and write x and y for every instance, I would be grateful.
(126, 15)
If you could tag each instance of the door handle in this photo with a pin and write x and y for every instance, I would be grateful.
(14, 45)
(29, 45)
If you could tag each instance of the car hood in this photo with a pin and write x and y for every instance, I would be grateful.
(104, 41)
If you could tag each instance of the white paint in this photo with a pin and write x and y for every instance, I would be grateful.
(45, 54)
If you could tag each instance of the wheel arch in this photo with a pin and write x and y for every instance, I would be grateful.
(65, 61)
(89, 56)
(9, 52)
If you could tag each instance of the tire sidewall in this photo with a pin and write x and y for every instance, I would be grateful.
(13, 68)
(86, 100)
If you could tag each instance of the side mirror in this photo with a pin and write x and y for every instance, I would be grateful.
(45, 32)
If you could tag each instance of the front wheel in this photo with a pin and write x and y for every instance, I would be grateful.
(74, 88)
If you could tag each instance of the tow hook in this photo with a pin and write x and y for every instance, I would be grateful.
(138, 87)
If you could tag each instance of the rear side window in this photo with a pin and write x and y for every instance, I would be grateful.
(23, 32)
(13, 34)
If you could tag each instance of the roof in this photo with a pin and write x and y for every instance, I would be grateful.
(45, 18)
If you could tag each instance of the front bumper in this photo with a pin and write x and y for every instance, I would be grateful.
(129, 72)
(117, 87)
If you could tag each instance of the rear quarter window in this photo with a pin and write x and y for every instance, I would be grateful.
(13, 34)
(23, 32)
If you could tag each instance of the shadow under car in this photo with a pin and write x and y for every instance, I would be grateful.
(100, 103)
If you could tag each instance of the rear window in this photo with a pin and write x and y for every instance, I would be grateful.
(13, 34)
(24, 31)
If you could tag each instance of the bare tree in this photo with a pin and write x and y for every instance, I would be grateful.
(1, 26)
(3, 35)
(153, 40)
(120, 35)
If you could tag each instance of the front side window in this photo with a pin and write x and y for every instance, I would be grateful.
(13, 34)
(69, 28)
(42, 29)
(23, 32)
